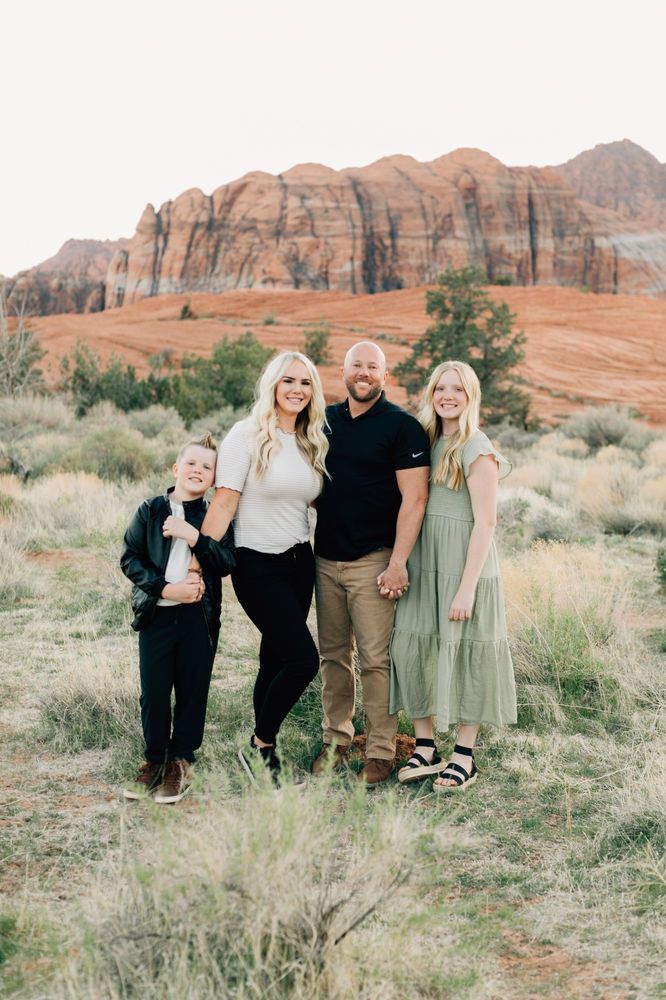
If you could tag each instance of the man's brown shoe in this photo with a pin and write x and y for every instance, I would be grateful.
(375, 771)
(331, 758)
(145, 782)
(175, 782)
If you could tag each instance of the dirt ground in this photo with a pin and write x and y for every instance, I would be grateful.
(581, 348)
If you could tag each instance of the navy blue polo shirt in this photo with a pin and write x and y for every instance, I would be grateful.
(358, 509)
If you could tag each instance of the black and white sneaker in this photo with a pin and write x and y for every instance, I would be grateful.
(248, 755)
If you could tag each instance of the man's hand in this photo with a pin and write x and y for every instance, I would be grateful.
(188, 591)
(394, 581)
(176, 527)
(462, 605)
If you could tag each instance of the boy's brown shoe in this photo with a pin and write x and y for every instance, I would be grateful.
(375, 771)
(145, 782)
(175, 782)
(331, 758)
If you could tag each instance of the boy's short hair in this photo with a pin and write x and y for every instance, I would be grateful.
(207, 441)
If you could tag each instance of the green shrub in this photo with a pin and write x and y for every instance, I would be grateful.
(503, 279)
(227, 379)
(186, 312)
(316, 345)
(599, 426)
(269, 320)
(111, 453)
(158, 420)
(660, 565)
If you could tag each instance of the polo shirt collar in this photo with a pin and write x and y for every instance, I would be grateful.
(374, 409)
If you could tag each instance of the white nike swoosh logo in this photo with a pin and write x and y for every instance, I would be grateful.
(415, 454)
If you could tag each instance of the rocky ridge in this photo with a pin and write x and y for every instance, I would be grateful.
(393, 224)
(71, 281)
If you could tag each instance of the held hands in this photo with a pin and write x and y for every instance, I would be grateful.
(462, 605)
(187, 591)
(393, 582)
(176, 527)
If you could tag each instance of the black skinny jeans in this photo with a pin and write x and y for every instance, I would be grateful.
(176, 655)
(275, 591)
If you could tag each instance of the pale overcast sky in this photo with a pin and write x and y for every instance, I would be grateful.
(107, 106)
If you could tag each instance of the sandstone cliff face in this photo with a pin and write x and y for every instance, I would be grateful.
(71, 281)
(623, 177)
(393, 224)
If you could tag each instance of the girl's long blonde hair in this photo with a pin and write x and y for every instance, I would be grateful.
(310, 422)
(449, 468)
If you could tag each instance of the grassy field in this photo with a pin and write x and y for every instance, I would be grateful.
(547, 879)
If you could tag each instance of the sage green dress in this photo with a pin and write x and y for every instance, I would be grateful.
(458, 671)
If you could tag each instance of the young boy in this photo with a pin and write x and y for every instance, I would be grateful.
(177, 616)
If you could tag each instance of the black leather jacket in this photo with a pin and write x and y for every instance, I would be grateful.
(146, 552)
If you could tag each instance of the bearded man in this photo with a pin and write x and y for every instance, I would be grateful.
(368, 518)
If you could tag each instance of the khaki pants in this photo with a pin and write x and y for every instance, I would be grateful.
(349, 607)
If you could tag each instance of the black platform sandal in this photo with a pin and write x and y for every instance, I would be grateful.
(462, 778)
(418, 766)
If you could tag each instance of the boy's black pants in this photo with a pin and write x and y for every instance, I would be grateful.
(275, 591)
(175, 654)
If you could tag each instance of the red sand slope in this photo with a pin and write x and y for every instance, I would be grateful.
(581, 348)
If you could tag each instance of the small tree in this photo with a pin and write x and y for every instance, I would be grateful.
(88, 382)
(227, 379)
(470, 327)
(20, 354)
(315, 345)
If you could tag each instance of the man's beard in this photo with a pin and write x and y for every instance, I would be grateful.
(373, 392)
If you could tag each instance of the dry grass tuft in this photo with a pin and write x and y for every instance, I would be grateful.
(618, 498)
(190, 910)
(575, 660)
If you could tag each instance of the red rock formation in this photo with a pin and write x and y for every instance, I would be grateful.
(623, 177)
(72, 281)
(393, 224)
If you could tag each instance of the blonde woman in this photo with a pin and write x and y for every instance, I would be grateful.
(270, 467)
(450, 660)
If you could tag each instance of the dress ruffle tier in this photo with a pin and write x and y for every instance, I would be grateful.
(460, 672)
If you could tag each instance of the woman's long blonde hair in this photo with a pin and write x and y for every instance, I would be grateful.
(449, 468)
(310, 422)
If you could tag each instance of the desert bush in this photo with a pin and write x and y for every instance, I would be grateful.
(548, 473)
(510, 438)
(612, 424)
(17, 578)
(73, 509)
(660, 565)
(157, 421)
(611, 454)
(636, 820)
(523, 516)
(218, 422)
(557, 443)
(574, 659)
(92, 702)
(21, 416)
(112, 453)
(655, 454)
(44, 452)
(620, 500)
(211, 906)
